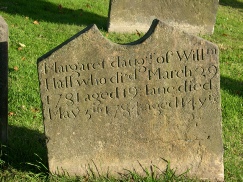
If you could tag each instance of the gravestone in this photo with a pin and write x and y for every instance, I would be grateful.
(192, 16)
(109, 107)
(3, 80)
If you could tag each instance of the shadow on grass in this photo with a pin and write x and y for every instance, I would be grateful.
(234, 87)
(42, 10)
(26, 150)
(232, 3)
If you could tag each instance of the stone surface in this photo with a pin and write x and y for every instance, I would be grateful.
(192, 16)
(3, 81)
(107, 106)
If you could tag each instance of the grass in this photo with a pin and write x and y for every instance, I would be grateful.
(43, 24)
(228, 35)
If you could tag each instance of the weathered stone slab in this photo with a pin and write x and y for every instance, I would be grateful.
(192, 16)
(114, 105)
(3, 81)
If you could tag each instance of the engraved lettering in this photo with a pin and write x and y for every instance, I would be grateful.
(99, 96)
(194, 55)
(62, 113)
(160, 80)
(47, 99)
(184, 54)
(58, 68)
(202, 101)
(158, 74)
(212, 51)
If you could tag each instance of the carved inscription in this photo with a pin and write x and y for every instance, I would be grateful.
(112, 105)
(160, 80)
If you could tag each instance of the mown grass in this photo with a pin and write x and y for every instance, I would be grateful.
(43, 24)
(228, 36)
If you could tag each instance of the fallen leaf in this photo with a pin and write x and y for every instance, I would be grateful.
(36, 22)
(34, 109)
(23, 58)
(11, 113)
(222, 47)
(138, 33)
(16, 68)
(22, 45)
(20, 48)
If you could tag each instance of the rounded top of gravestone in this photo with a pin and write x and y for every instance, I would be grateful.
(158, 31)
(193, 16)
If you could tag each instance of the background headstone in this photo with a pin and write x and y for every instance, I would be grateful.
(192, 16)
(107, 106)
(3, 81)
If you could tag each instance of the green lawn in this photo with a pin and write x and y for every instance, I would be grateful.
(41, 25)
